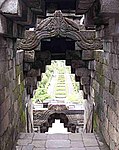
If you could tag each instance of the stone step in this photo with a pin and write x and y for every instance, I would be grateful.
(58, 141)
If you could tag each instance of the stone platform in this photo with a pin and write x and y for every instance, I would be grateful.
(71, 141)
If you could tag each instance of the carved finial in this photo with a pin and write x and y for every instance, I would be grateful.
(58, 13)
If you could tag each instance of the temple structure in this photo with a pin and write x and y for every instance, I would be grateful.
(32, 33)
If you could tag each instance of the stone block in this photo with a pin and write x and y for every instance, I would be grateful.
(77, 78)
(115, 61)
(11, 7)
(92, 65)
(87, 55)
(85, 80)
(86, 89)
(3, 24)
(3, 66)
(4, 124)
(78, 64)
(57, 136)
(75, 137)
(82, 72)
(38, 144)
(29, 56)
(33, 73)
(28, 147)
(24, 141)
(19, 57)
(31, 81)
(27, 67)
(109, 7)
(26, 136)
(57, 144)
(112, 144)
(90, 142)
(39, 136)
(73, 55)
(106, 58)
(77, 144)
(42, 55)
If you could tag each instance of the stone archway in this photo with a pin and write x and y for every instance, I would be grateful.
(63, 118)
(60, 26)
(80, 59)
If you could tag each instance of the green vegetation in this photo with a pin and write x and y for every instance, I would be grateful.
(57, 69)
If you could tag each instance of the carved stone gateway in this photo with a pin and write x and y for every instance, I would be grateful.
(60, 26)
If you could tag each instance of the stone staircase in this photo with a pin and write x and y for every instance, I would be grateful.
(58, 141)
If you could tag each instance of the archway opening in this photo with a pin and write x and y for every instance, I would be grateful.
(65, 101)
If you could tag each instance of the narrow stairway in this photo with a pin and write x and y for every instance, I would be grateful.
(58, 141)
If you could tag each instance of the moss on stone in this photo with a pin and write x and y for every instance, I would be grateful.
(95, 121)
(18, 70)
(22, 87)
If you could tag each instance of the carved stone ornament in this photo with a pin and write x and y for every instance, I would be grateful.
(59, 26)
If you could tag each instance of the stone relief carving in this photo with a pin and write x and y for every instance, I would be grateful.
(59, 26)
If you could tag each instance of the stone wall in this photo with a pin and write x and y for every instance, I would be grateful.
(12, 115)
(106, 85)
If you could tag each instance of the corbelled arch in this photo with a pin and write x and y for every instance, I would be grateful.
(80, 59)
(59, 26)
(63, 27)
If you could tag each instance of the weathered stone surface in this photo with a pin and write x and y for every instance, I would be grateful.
(83, 72)
(10, 7)
(78, 64)
(70, 141)
(29, 56)
(3, 24)
(109, 6)
(60, 26)
(33, 73)
(85, 80)
(57, 144)
(87, 55)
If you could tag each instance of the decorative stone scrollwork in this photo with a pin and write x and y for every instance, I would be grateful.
(59, 26)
